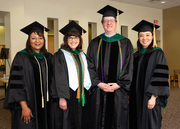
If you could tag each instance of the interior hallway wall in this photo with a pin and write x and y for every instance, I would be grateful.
(171, 34)
(15, 39)
(23, 12)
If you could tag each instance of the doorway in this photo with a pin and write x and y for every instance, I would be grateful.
(53, 35)
(5, 39)
(92, 30)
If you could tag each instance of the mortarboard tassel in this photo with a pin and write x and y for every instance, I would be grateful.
(154, 36)
(44, 36)
(82, 39)
(44, 30)
(118, 22)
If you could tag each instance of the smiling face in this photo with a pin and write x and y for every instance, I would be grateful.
(145, 38)
(36, 42)
(73, 42)
(109, 25)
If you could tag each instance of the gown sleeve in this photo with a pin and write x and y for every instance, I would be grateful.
(127, 71)
(91, 58)
(60, 74)
(159, 82)
(16, 87)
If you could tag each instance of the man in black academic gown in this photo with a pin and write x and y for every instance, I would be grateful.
(110, 60)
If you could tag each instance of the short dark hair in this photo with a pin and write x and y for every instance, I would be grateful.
(72, 33)
(28, 44)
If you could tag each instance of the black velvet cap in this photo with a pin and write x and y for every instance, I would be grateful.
(109, 11)
(72, 26)
(144, 26)
(34, 26)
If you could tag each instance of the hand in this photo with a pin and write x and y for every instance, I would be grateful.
(26, 112)
(151, 102)
(26, 115)
(63, 103)
(113, 87)
(105, 87)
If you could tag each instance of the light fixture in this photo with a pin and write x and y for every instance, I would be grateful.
(163, 2)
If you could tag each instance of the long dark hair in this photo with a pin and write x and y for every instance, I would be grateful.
(72, 33)
(28, 43)
(149, 48)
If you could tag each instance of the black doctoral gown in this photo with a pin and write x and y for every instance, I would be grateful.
(76, 116)
(150, 77)
(24, 85)
(110, 110)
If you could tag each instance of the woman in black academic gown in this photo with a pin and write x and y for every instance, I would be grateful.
(150, 88)
(28, 89)
(72, 81)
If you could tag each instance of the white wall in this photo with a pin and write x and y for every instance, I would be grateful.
(15, 39)
(23, 12)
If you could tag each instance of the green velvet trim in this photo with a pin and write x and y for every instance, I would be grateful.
(113, 38)
(143, 50)
(157, 48)
(164, 105)
(76, 52)
(40, 54)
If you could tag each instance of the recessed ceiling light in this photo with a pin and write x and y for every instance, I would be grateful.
(163, 2)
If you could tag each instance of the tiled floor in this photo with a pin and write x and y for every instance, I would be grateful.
(171, 114)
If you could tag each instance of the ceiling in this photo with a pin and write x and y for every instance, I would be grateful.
(153, 3)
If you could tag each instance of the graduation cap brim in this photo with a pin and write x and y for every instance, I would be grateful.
(72, 26)
(109, 11)
(35, 25)
(144, 26)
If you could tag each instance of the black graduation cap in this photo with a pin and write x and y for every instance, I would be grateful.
(72, 26)
(144, 26)
(35, 25)
(109, 11)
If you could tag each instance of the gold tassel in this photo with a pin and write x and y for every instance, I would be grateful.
(46, 45)
(154, 36)
(44, 30)
(118, 29)
(82, 40)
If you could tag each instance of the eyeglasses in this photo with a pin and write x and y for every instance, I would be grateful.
(111, 21)
(75, 38)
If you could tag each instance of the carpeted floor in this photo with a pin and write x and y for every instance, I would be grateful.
(171, 114)
(5, 115)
